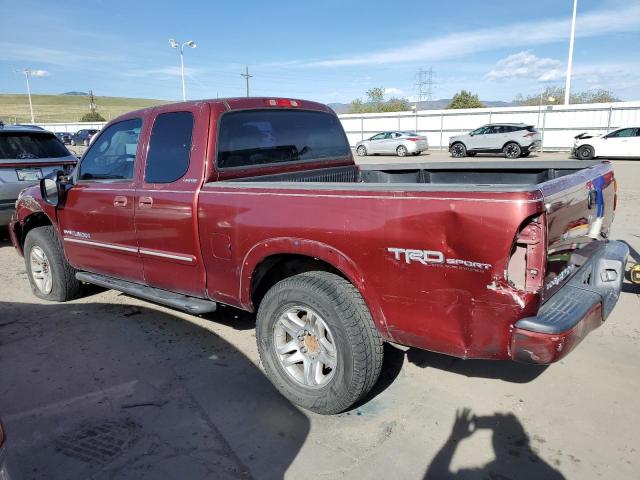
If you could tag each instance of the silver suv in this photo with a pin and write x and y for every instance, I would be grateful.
(27, 154)
(512, 139)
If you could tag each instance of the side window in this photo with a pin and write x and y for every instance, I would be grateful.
(378, 136)
(625, 132)
(480, 131)
(113, 155)
(169, 147)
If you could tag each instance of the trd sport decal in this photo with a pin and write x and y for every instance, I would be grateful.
(434, 257)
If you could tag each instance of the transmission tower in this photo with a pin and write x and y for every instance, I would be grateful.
(424, 84)
(246, 76)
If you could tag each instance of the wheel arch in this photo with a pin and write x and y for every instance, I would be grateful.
(511, 141)
(22, 227)
(274, 260)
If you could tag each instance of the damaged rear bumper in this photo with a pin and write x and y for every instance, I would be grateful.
(579, 307)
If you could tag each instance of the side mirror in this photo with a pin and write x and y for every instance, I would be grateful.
(471, 134)
(53, 190)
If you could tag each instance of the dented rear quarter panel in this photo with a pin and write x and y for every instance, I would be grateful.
(453, 309)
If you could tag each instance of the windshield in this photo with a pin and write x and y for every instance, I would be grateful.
(25, 145)
(263, 137)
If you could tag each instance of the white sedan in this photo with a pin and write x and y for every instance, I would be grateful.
(623, 142)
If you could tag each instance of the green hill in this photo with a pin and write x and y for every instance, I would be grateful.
(65, 108)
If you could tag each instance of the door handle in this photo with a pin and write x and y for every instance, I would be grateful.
(120, 201)
(145, 202)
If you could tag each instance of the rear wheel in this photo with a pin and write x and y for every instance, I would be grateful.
(361, 151)
(402, 151)
(512, 150)
(73, 143)
(317, 342)
(458, 150)
(585, 152)
(50, 275)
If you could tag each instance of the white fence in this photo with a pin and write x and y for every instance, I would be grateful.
(558, 124)
(71, 127)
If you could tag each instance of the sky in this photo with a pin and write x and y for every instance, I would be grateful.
(324, 50)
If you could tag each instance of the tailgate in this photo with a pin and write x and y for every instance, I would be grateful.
(579, 210)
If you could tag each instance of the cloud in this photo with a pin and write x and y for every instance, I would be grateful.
(162, 72)
(40, 73)
(527, 65)
(393, 91)
(460, 44)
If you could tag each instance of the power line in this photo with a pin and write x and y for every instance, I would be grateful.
(246, 76)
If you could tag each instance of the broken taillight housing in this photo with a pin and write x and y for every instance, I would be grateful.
(526, 265)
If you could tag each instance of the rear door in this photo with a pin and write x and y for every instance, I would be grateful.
(96, 219)
(166, 199)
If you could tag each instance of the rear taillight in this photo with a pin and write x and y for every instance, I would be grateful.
(529, 135)
(413, 139)
(615, 194)
(527, 261)
(282, 102)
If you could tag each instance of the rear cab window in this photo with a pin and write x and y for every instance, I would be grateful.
(266, 137)
(26, 145)
(169, 147)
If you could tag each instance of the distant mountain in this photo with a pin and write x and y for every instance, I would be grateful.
(75, 94)
(340, 108)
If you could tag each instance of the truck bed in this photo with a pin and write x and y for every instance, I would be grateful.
(486, 176)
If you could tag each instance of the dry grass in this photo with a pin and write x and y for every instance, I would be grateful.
(65, 108)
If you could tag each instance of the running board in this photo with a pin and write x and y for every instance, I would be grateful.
(188, 304)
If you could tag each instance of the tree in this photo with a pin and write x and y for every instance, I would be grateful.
(375, 95)
(465, 99)
(557, 94)
(92, 117)
(376, 103)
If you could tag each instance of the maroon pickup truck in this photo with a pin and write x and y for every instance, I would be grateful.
(257, 203)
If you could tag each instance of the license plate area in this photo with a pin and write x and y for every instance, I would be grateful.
(29, 174)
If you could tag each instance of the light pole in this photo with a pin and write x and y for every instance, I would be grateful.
(180, 47)
(544, 119)
(567, 85)
(27, 73)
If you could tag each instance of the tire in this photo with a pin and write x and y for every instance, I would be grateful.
(402, 151)
(458, 150)
(73, 143)
(525, 154)
(44, 260)
(585, 152)
(85, 142)
(512, 150)
(356, 347)
(361, 151)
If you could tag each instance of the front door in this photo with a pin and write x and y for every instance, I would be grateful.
(616, 144)
(96, 218)
(166, 206)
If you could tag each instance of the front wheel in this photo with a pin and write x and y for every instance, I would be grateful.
(50, 276)
(585, 152)
(317, 342)
(402, 151)
(458, 150)
(512, 150)
(361, 151)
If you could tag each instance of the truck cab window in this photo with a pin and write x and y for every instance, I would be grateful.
(264, 137)
(113, 155)
(169, 147)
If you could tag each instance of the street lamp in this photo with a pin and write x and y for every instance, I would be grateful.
(567, 85)
(27, 73)
(180, 47)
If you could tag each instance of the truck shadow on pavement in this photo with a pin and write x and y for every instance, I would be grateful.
(515, 457)
(506, 370)
(96, 390)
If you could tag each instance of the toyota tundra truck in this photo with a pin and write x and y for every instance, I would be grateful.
(256, 203)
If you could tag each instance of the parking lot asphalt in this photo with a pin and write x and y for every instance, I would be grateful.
(109, 386)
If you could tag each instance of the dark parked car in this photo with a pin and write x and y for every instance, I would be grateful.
(83, 137)
(64, 137)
